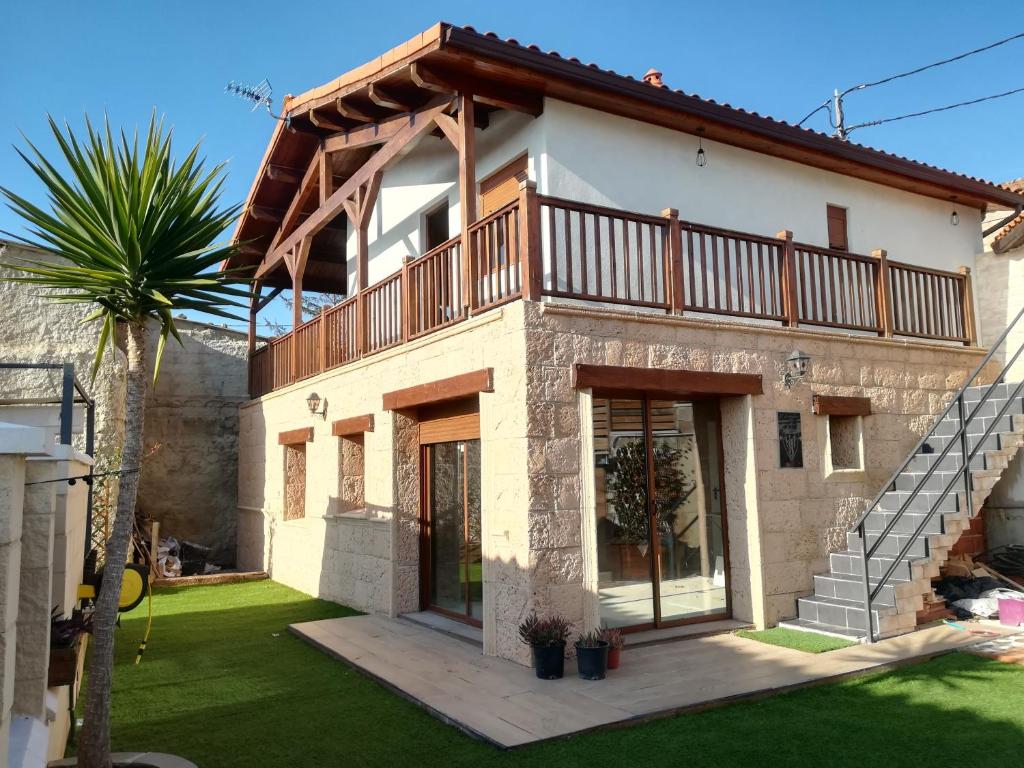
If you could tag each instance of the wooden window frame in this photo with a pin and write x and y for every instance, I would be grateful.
(829, 208)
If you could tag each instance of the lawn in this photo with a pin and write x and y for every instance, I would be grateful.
(224, 684)
(808, 642)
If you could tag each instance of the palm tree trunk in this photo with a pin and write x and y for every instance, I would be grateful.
(94, 742)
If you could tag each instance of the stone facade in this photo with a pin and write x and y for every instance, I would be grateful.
(537, 461)
(191, 414)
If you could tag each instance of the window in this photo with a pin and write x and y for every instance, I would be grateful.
(501, 187)
(435, 226)
(294, 481)
(845, 443)
(837, 231)
(350, 473)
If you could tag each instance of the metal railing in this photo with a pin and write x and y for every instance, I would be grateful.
(70, 385)
(961, 474)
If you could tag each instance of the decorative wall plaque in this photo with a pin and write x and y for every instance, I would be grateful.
(791, 447)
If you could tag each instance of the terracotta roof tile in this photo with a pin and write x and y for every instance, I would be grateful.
(1014, 223)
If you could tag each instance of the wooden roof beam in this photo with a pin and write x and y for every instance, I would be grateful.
(310, 181)
(502, 97)
(352, 112)
(283, 173)
(325, 123)
(419, 124)
(263, 213)
(386, 99)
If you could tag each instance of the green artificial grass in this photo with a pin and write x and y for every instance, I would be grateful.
(808, 642)
(224, 684)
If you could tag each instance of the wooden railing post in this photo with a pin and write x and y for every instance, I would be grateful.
(970, 331)
(674, 254)
(321, 331)
(405, 298)
(789, 283)
(360, 323)
(883, 294)
(531, 267)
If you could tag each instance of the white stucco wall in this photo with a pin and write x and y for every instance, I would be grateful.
(425, 177)
(603, 159)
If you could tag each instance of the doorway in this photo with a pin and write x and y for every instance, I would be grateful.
(660, 512)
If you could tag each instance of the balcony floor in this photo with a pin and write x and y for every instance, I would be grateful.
(504, 703)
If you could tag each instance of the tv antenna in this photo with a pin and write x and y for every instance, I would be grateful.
(259, 95)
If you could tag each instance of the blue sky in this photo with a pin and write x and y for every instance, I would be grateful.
(69, 58)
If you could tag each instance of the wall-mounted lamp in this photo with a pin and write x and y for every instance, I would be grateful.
(796, 368)
(313, 403)
(954, 218)
(702, 158)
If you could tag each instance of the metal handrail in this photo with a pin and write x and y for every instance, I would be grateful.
(967, 457)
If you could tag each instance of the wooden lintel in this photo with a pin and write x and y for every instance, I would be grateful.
(502, 97)
(320, 121)
(352, 112)
(284, 174)
(442, 391)
(353, 425)
(383, 98)
(829, 405)
(672, 382)
(293, 436)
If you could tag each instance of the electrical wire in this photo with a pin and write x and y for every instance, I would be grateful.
(825, 105)
(885, 120)
(919, 70)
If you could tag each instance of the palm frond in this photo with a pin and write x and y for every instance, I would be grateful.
(138, 230)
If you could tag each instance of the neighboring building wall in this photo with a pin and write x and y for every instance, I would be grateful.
(999, 283)
(191, 437)
(535, 458)
(192, 414)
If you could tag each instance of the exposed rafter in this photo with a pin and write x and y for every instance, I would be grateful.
(284, 174)
(352, 112)
(502, 97)
(320, 121)
(310, 180)
(383, 98)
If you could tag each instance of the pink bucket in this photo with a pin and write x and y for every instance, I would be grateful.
(1011, 611)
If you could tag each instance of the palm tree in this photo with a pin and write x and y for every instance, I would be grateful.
(138, 234)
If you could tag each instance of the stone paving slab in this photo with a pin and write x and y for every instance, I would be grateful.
(505, 704)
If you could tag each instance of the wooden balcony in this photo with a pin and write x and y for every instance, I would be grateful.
(542, 246)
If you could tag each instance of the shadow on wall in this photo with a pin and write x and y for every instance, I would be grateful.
(191, 436)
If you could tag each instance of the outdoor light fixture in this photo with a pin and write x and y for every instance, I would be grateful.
(702, 158)
(954, 218)
(796, 368)
(313, 402)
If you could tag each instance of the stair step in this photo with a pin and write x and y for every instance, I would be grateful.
(846, 613)
(891, 544)
(849, 563)
(909, 521)
(844, 633)
(849, 587)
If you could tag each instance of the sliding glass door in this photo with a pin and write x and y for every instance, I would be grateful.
(452, 512)
(659, 514)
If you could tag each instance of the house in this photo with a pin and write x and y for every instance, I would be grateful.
(607, 349)
(191, 413)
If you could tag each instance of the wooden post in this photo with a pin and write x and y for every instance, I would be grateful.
(789, 284)
(883, 295)
(321, 333)
(970, 330)
(467, 195)
(254, 308)
(296, 322)
(360, 324)
(674, 254)
(530, 264)
(405, 298)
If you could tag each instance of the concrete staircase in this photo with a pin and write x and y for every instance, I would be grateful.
(837, 605)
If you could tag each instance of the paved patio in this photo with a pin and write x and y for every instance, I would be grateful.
(504, 703)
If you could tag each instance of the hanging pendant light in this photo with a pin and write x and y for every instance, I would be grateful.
(702, 158)
(954, 218)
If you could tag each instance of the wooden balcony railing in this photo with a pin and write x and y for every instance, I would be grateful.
(541, 246)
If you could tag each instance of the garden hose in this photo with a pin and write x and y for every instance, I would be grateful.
(149, 623)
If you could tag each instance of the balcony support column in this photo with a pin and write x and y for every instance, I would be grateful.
(467, 194)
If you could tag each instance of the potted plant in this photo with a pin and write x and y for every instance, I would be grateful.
(546, 637)
(592, 656)
(65, 639)
(615, 643)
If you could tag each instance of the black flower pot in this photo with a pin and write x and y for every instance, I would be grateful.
(592, 662)
(549, 661)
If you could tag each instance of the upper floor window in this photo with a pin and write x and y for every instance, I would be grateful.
(435, 225)
(837, 232)
(501, 187)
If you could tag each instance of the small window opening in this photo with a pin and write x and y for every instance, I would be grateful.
(294, 481)
(350, 474)
(845, 442)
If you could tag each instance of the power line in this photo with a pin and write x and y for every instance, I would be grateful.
(816, 110)
(933, 110)
(919, 70)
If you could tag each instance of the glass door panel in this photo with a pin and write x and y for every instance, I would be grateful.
(624, 556)
(453, 513)
(690, 542)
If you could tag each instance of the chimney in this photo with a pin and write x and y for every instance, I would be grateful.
(653, 77)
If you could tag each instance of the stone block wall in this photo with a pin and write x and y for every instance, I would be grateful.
(781, 526)
(12, 482)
